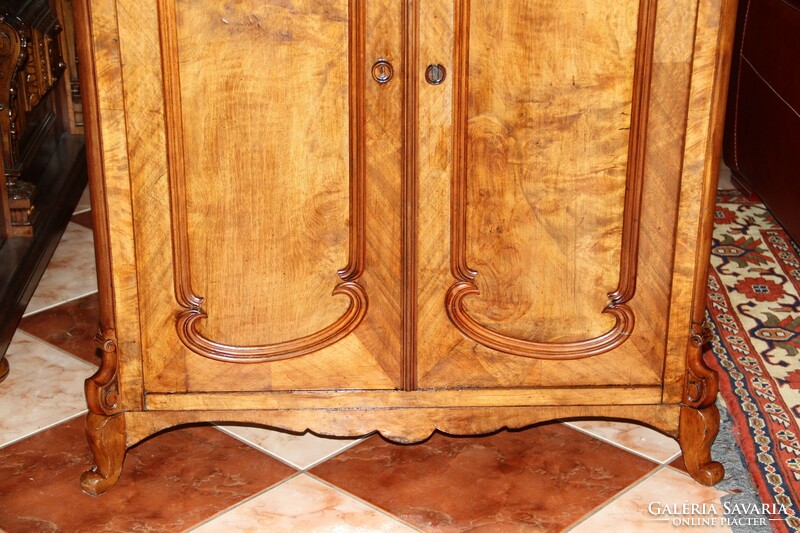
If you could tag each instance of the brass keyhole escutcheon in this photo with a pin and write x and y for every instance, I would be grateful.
(382, 71)
(435, 74)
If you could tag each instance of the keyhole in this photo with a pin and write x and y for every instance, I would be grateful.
(435, 74)
(382, 71)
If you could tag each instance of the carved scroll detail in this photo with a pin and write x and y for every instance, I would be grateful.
(102, 389)
(702, 383)
(283, 350)
(188, 320)
(465, 285)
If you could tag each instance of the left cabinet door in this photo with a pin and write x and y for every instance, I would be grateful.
(265, 174)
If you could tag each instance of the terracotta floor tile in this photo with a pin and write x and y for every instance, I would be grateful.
(84, 219)
(678, 464)
(169, 483)
(303, 504)
(70, 326)
(540, 479)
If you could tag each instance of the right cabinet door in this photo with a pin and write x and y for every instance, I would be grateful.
(546, 245)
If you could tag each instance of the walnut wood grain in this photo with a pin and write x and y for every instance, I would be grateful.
(106, 435)
(701, 159)
(187, 322)
(698, 429)
(410, 191)
(465, 285)
(243, 154)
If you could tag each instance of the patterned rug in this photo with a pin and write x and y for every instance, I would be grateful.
(754, 311)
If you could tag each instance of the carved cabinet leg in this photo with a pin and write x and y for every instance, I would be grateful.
(106, 436)
(4, 368)
(698, 429)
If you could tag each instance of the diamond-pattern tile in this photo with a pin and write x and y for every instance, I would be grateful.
(71, 272)
(304, 504)
(509, 481)
(43, 388)
(170, 483)
(642, 508)
(70, 326)
(300, 451)
(633, 437)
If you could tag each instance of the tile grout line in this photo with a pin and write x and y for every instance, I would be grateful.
(244, 501)
(287, 461)
(617, 496)
(53, 306)
(40, 430)
(623, 447)
(363, 501)
(304, 471)
(58, 349)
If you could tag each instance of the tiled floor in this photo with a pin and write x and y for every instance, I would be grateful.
(585, 476)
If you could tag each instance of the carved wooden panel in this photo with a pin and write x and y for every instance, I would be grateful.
(550, 160)
(283, 254)
(288, 206)
(544, 209)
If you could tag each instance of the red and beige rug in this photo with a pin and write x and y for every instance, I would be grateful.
(754, 307)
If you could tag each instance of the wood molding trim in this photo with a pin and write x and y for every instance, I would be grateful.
(410, 191)
(102, 390)
(188, 320)
(465, 276)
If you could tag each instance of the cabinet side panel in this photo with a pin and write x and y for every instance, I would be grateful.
(702, 154)
(672, 63)
(97, 41)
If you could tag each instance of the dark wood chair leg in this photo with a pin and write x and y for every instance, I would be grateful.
(106, 435)
(4, 368)
(698, 429)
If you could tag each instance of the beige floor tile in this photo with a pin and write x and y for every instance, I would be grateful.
(643, 507)
(71, 272)
(633, 437)
(43, 388)
(300, 451)
(303, 504)
(725, 179)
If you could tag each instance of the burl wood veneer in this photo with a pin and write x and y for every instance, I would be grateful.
(402, 216)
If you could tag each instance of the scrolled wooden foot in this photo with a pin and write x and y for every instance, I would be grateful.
(4, 368)
(106, 435)
(698, 429)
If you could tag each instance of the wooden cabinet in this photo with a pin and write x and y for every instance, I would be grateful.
(402, 216)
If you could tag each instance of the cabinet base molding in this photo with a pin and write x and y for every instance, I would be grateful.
(110, 436)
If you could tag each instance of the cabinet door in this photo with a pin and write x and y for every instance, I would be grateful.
(530, 271)
(266, 185)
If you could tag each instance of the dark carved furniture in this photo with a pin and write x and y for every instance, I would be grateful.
(412, 216)
(42, 150)
(762, 132)
(30, 66)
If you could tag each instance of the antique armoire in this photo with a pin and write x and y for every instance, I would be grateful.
(402, 215)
